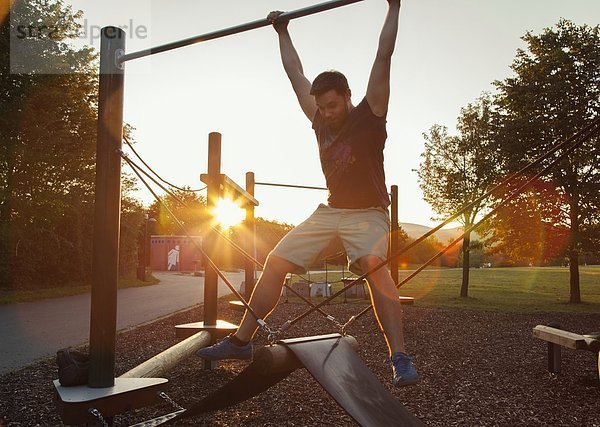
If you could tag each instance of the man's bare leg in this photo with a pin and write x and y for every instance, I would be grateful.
(265, 296)
(386, 304)
(388, 311)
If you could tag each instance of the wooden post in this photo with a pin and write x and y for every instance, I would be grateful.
(554, 353)
(249, 267)
(394, 234)
(215, 181)
(107, 211)
(209, 242)
(554, 358)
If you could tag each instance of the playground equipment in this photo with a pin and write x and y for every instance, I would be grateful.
(298, 288)
(248, 380)
(558, 338)
(165, 361)
(275, 361)
(105, 395)
(218, 185)
(329, 359)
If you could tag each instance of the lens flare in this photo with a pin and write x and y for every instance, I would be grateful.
(228, 213)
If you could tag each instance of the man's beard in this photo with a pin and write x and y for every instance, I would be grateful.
(338, 122)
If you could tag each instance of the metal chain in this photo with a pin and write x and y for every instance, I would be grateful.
(166, 397)
(337, 323)
(345, 326)
(271, 334)
(96, 413)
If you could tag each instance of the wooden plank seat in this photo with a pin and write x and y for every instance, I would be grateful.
(590, 342)
(75, 403)
(558, 338)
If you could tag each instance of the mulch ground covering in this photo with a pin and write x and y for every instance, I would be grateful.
(478, 369)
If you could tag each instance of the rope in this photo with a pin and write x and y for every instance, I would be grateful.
(165, 189)
(135, 169)
(208, 259)
(580, 137)
(155, 173)
(307, 187)
(485, 217)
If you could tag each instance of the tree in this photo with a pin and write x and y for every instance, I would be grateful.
(268, 234)
(187, 206)
(132, 220)
(530, 229)
(47, 135)
(457, 170)
(422, 252)
(47, 151)
(555, 92)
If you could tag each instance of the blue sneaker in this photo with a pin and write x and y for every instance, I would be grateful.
(403, 370)
(225, 349)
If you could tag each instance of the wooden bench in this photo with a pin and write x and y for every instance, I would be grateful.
(557, 338)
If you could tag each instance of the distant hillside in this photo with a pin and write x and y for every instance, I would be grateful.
(444, 235)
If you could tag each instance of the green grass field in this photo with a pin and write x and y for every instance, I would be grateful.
(519, 290)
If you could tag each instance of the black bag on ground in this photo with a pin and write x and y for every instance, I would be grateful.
(73, 367)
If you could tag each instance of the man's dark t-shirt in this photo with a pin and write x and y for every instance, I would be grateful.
(352, 161)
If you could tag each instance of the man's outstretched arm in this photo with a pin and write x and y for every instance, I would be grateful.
(378, 89)
(293, 67)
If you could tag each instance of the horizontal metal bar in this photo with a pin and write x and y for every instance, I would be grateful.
(290, 186)
(321, 7)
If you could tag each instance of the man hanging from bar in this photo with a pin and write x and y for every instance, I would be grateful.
(351, 140)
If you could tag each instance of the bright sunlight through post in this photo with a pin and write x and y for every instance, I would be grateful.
(228, 213)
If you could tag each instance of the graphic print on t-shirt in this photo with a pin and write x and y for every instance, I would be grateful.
(352, 159)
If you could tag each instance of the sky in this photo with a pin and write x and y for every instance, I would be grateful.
(448, 52)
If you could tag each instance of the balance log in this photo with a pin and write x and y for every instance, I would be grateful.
(171, 357)
(277, 358)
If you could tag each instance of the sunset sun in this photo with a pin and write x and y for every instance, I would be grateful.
(228, 213)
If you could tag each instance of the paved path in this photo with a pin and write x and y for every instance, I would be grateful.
(31, 331)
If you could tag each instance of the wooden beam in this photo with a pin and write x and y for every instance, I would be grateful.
(168, 359)
(249, 240)
(560, 337)
(593, 341)
(229, 186)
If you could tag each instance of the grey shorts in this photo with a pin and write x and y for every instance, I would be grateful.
(362, 232)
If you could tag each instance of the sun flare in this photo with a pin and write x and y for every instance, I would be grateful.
(228, 213)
